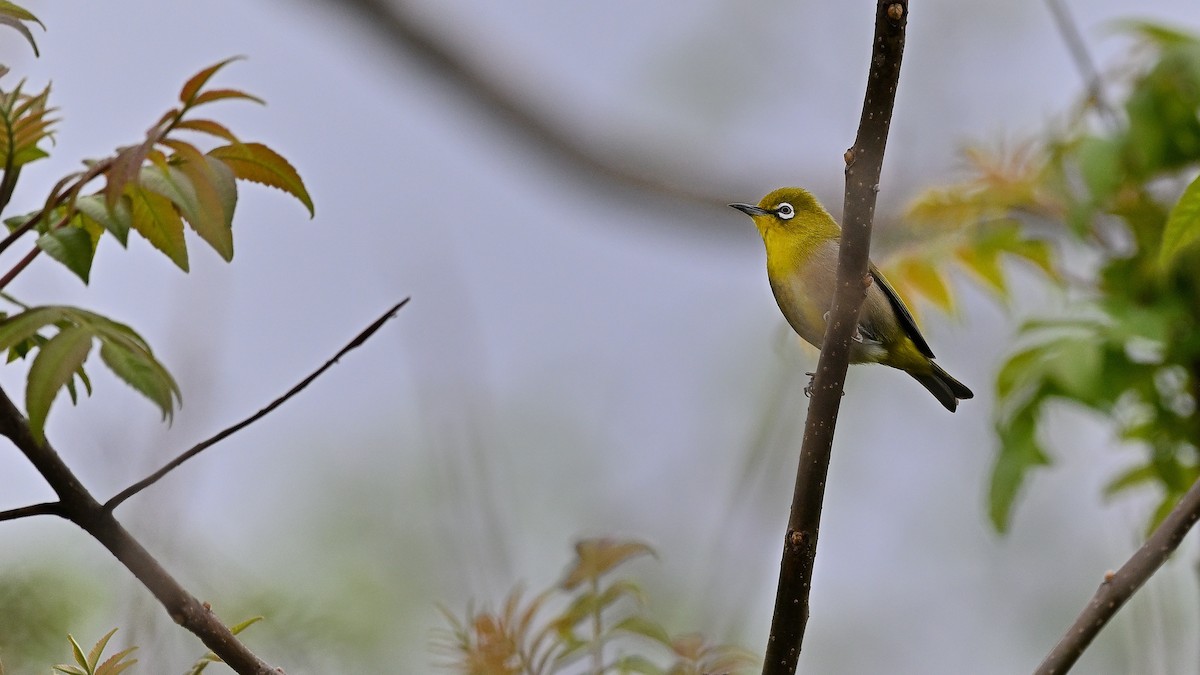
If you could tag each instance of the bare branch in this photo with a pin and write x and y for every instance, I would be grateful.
(153, 478)
(43, 509)
(864, 163)
(1069, 30)
(77, 505)
(1119, 586)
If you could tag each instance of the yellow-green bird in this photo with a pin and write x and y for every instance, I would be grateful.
(802, 242)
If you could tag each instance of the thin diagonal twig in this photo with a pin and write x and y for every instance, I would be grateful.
(1119, 586)
(153, 478)
(1083, 59)
(43, 509)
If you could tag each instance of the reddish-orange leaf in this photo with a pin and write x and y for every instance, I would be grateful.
(595, 557)
(197, 81)
(208, 127)
(260, 164)
(222, 94)
(124, 168)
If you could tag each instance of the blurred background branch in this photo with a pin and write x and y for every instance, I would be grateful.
(661, 176)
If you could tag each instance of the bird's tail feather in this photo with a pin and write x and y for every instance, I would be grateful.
(946, 389)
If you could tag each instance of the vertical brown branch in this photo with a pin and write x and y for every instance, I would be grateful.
(864, 162)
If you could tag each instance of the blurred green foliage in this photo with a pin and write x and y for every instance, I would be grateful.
(38, 605)
(1115, 185)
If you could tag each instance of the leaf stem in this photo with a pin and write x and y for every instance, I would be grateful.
(19, 267)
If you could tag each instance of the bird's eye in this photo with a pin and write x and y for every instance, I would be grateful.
(785, 211)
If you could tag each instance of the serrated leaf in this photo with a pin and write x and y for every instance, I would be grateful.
(215, 192)
(193, 86)
(116, 663)
(67, 669)
(24, 123)
(209, 127)
(214, 95)
(93, 656)
(124, 170)
(18, 328)
(52, 369)
(117, 220)
(155, 218)
(257, 163)
(142, 372)
(1183, 226)
(16, 23)
(77, 652)
(74, 247)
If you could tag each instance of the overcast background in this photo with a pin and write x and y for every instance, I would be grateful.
(578, 358)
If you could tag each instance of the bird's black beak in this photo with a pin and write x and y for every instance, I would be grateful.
(750, 209)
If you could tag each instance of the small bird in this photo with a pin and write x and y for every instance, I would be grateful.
(802, 242)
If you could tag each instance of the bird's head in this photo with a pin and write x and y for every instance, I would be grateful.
(791, 212)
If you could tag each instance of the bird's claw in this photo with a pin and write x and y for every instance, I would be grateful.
(857, 337)
(808, 388)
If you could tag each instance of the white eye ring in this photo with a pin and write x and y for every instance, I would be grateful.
(785, 211)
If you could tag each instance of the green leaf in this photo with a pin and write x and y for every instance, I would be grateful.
(77, 652)
(215, 191)
(240, 626)
(1130, 478)
(17, 12)
(141, 371)
(117, 220)
(71, 246)
(24, 123)
(1153, 31)
(18, 328)
(1019, 452)
(639, 625)
(1183, 226)
(1100, 166)
(52, 369)
(15, 16)
(116, 663)
(93, 656)
(155, 218)
(257, 163)
(201, 193)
